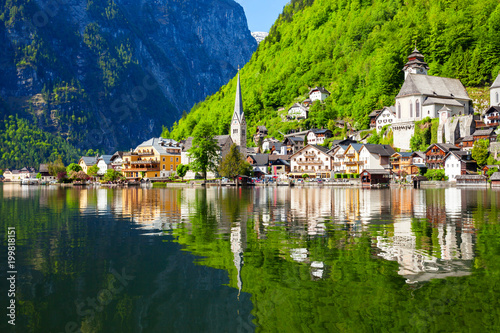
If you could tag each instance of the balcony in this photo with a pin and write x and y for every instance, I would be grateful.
(310, 162)
(353, 163)
(350, 155)
(145, 162)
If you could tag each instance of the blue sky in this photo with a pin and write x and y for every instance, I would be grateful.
(261, 14)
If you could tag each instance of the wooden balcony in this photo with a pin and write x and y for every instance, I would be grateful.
(310, 162)
(352, 163)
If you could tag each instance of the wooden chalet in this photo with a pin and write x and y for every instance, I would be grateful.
(492, 116)
(495, 179)
(485, 134)
(436, 153)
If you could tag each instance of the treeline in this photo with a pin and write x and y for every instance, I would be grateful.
(22, 144)
(356, 49)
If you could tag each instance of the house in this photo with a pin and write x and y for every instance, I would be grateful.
(373, 116)
(385, 117)
(466, 143)
(154, 158)
(117, 160)
(422, 96)
(104, 163)
(375, 177)
(318, 94)
(298, 111)
(402, 163)
(312, 160)
(307, 102)
(495, 179)
(485, 134)
(492, 116)
(435, 154)
(291, 145)
(260, 134)
(318, 136)
(271, 144)
(376, 156)
(351, 158)
(418, 160)
(458, 163)
(86, 162)
(44, 172)
(12, 175)
(488, 167)
(338, 158)
(344, 142)
(280, 168)
(259, 163)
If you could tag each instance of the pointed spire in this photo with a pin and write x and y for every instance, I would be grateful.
(238, 102)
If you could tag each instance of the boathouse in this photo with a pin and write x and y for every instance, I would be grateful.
(495, 179)
(370, 177)
(472, 180)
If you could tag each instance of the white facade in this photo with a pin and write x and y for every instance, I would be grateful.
(452, 167)
(297, 111)
(338, 160)
(370, 161)
(271, 143)
(103, 167)
(386, 117)
(310, 160)
(495, 92)
(403, 131)
(317, 95)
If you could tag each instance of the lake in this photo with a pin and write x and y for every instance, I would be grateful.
(272, 259)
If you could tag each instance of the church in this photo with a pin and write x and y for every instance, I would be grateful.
(238, 122)
(423, 96)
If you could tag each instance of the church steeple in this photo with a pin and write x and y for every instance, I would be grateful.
(415, 64)
(238, 122)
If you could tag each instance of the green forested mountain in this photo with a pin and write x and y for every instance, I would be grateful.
(107, 74)
(356, 49)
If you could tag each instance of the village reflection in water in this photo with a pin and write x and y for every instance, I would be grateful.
(430, 233)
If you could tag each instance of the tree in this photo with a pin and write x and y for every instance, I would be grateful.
(93, 170)
(234, 164)
(55, 168)
(182, 169)
(39, 176)
(480, 152)
(204, 149)
(112, 175)
(73, 167)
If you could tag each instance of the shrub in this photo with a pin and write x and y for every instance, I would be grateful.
(337, 176)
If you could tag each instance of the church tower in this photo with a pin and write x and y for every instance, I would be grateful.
(495, 92)
(238, 122)
(415, 64)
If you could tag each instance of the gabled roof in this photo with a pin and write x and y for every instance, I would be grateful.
(374, 113)
(496, 84)
(382, 150)
(463, 156)
(445, 147)
(294, 139)
(493, 108)
(445, 101)
(262, 128)
(321, 148)
(495, 176)
(298, 105)
(260, 159)
(280, 161)
(106, 158)
(403, 154)
(484, 132)
(320, 131)
(89, 160)
(188, 143)
(344, 142)
(419, 154)
(376, 172)
(418, 84)
(356, 146)
(321, 89)
(159, 144)
(117, 154)
(44, 168)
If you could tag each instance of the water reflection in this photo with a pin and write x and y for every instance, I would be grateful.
(264, 253)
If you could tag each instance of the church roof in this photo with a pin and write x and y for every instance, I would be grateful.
(445, 101)
(496, 84)
(238, 102)
(436, 86)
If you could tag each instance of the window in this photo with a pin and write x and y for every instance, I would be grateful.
(235, 131)
(171, 159)
(156, 175)
(399, 110)
(171, 167)
(164, 159)
(163, 166)
(417, 109)
(177, 159)
(496, 97)
(411, 110)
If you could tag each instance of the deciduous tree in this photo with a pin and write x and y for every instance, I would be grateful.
(204, 150)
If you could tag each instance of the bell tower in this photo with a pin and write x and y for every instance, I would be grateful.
(415, 64)
(238, 122)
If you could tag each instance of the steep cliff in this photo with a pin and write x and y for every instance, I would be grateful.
(107, 74)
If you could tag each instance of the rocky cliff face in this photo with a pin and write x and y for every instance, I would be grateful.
(109, 73)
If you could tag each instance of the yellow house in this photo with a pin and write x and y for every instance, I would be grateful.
(154, 158)
(351, 158)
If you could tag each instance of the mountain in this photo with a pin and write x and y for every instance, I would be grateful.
(356, 49)
(108, 74)
(259, 35)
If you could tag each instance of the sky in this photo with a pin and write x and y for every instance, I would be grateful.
(261, 14)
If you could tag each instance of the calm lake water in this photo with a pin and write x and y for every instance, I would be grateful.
(243, 260)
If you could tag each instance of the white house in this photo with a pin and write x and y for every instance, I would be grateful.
(318, 94)
(457, 163)
(117, 161)
(385, 117)
(271, 144)
(86, 162)
(318, 136)
(104, 163)
(375, 157)
(19, 175)
(298, 111)
(312, 160)
(338, 158)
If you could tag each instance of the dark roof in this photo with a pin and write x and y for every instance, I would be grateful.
(260, 159)
(262, 128)
(295, 138)
(484, 132)
(495, 176)
(116, 155)
(382, 150)
(106, 158)
(418, 84)
(280, 161)
(274, 157)
(223, 140)
(404, 154)
(44, 168)
(321, 89)
(321, 148)
(446, 147)
(377, 171)
(493, 108)
(419, 154)
(344, 142)
(320, 131)
(374, 113)
(445, 101)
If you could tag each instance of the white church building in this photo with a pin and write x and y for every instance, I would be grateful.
(423, 96)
